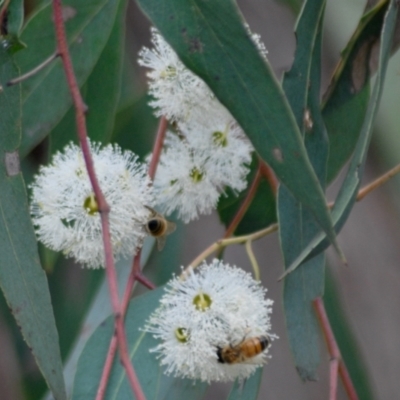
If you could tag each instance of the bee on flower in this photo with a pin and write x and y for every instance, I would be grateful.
(214, 325)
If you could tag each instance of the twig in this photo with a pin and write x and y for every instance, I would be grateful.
(145, 282)
(269, 175)
(336, 359)
(158, 144)
(114, 342)
(104, 209)
(378, 182)
(227, 242)
(245, 204)
(136, 273)
(33, 71)
(253, 260)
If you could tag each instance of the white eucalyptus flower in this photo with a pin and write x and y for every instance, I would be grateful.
(208, 152)
(183, 181)
(217, 307)
(65, 212)
(175, 89)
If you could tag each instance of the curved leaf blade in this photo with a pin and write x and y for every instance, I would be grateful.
(22, 279)
(248, 389)
(210, 38)
(346, 100)
(297, 226)
(348, 192)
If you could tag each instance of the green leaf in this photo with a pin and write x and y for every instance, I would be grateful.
(247, 389)
(297, 226)
(210, 38)
(22, 279)
(348, 191)
(100, 92)
(100, 309)
(135, 126)
(261, 212)
(154, 383)
(346, 100)
(15, 17)
(45, 96)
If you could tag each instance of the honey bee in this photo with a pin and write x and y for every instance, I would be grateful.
(158, 227)
(244, 351)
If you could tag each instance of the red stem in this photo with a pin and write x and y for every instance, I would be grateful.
(246, 203)
(158, 145)
(104, 209)
(269, 175)
(336, 361)
(114, 342)
(145, 282)
(136, 273)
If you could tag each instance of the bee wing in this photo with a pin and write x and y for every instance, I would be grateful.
(160, 242)
(171, 227)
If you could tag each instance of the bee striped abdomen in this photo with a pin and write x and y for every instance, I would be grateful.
(248, 348)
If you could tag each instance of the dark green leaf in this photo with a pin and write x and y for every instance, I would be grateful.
(15, 17)
(348, 192)
(346, 100)
(100, 309)
(261, 211)
(135, 127)
(45, 96)
(247, 389)
(297, 226)
(210, 38)
(100, 92)
(22, 279)
(154, 383)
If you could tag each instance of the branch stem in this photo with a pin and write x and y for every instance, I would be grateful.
(158, 145)
(245, 204)
(104, 209)
(337, 363)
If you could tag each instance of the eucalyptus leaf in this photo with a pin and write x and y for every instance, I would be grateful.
(247, 389)
(15, 17)
(100, 308)
(297, 226)
(88, 27)
(348, 191)
(212, 41)
(22, 279)
(346, 100)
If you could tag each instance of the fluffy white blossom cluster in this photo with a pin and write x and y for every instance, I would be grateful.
(206, 151)
(211, 323)
(65, 211)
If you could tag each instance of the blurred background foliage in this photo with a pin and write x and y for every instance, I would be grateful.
(361, 299)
